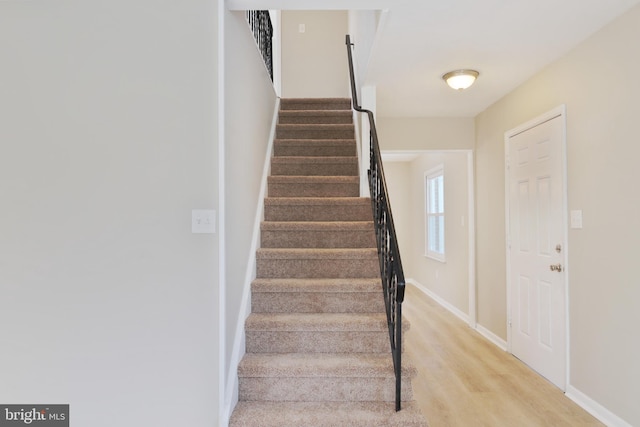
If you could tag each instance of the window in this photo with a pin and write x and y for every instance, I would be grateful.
(434, 213)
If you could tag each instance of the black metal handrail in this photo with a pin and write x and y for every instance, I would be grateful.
(393, 284)
(260, 23)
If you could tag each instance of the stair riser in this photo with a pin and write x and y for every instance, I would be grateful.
(328, 212)
(314, 104)
(359, 389)
(317, 342)
(318, 239)
(315, 169)
(317, 302)
(315, 132)
(304, 189)
(317, 268)
(303, 119)
(316, 149)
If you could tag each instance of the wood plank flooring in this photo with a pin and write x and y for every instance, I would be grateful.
(464, 380)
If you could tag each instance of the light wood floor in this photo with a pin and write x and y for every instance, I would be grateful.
(464, 380)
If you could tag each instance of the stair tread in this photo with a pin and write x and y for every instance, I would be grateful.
(305, 141)
(315, 253)
(319, 148)
(315, 130)
(304, 365)
(317, 225)
(341, 116)
(325, 116)
(317, 285)
(314, 159)
(320, 322)
(287, 104)
(326, 414)
(339, 179)
(300, 209)
(315, 126)
(324, 322)
(314, 166)
(317, 201)
(312, 112)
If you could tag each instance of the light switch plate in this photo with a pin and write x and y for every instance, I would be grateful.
(203, 221)
(576, 219)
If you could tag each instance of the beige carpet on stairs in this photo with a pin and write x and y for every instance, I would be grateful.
(317, 343)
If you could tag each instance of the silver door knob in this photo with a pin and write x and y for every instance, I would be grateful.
(556, 267)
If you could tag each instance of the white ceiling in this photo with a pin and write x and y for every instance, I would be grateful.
(507, 41)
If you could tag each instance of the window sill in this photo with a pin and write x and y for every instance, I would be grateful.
(436, 258)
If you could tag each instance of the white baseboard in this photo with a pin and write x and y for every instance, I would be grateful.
(585, 402)
(594, 408)
(499, 342)
(457, 312)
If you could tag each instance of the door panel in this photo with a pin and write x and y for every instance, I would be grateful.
(525, 306)
(536, 229)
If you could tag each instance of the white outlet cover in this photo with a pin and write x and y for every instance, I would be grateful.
(203, 221)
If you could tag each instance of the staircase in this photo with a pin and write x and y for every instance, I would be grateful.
(317, 341)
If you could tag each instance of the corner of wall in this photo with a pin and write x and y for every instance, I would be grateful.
(455, 311)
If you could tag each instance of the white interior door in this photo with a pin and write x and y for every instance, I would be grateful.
(536, 246)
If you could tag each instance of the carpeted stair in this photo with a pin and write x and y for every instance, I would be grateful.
(317, 341)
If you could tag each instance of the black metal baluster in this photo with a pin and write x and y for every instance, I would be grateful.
(262, 29)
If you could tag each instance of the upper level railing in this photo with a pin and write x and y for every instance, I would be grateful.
(260, 23)
(393, 283)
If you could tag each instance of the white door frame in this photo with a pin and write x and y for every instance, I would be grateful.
(560, 111)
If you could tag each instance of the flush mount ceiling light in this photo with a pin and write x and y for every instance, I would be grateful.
(460, 79)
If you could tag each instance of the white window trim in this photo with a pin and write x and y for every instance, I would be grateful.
(428, 175)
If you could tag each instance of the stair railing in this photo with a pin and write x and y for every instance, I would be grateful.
(392, 275)
(262, 29)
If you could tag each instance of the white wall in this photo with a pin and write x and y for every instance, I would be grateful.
(602, 143)
(250, 101)
(448, 280)
(108, 140)
(314, 63)
(432, 141)
(425, 133)
(397, 175)
(363, 25)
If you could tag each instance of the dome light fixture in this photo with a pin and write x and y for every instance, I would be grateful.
(460, 79)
